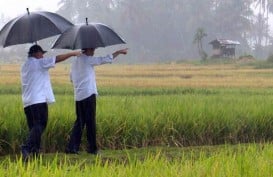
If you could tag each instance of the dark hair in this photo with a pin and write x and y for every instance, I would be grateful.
(34, 49)
(84, 49)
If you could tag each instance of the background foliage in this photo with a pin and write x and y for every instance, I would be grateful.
(163, 30)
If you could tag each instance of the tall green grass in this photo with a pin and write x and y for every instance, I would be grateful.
(230, 161)
(135, 118)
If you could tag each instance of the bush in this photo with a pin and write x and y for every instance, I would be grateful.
(270, 58)
(247, 56)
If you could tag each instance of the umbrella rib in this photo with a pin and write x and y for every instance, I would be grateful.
(8, 28)
(103, 42)
(93, 35)
(55, 26)
(75, 41)
(32, 27)
(46, 15)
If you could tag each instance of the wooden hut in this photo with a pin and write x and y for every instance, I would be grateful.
(224, 48)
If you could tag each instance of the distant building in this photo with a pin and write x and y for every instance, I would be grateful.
(223, 48)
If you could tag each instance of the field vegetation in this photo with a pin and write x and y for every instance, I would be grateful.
(192, 111)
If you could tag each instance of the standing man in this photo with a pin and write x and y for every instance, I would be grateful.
(85, 91)
(36, 94)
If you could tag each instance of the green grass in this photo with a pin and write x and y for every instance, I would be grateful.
(140, 118)
(251, 160)
(261, 65)
(152, 131)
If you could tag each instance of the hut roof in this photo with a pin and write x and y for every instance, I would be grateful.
(224, 42)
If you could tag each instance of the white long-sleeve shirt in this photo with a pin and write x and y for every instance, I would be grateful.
(35, 80)
(83, 75)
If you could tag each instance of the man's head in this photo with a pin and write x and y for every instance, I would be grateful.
(88, 51)
(36, 51)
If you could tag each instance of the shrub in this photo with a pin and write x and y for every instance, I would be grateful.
(270, 58)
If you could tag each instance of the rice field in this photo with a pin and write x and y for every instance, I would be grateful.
(228, 161)
(160, 76)
(199, 117)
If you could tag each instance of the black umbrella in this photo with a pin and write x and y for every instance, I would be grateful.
(32, 27)
(91, 35)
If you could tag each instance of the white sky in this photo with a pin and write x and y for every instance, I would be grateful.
(13, 8)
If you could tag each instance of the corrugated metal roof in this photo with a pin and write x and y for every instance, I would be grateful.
(225, 42)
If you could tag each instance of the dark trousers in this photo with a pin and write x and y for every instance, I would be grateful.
(37, 116)
(86, 116)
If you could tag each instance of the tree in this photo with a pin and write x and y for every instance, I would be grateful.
(198, 38)
(164, 29)
(261, 27)
(95, 10)
(265, 7)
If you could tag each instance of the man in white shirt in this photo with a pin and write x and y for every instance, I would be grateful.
(85, 91)
(36, 94)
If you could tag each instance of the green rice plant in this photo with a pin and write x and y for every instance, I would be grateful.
(251, 160)
(11, 118)
(175, 117)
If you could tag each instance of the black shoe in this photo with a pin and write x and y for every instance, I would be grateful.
(71, 151)
(35, 153)
(25, 155)
(96, 152)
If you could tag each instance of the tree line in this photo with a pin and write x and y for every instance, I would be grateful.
(165, 29)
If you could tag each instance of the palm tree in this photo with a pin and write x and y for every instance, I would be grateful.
(265, 7)
(198, 38)
(269, 9)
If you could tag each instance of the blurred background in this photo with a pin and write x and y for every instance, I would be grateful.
(161, 30)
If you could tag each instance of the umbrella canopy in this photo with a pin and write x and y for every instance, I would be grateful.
(32, 27)
(91, 35)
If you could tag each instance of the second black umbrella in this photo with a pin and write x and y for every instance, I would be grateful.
(91, 35)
